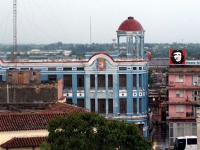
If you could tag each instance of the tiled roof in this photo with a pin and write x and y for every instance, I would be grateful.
(159, 62)
(24, 142)
(64, 107)
(27, 121)
(36, 121)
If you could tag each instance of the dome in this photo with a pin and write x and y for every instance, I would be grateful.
(130, 24)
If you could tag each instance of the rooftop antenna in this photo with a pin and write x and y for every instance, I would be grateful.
(90, 34)
(14, 29)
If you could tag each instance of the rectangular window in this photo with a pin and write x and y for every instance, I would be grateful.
(80, 68)
(140, 105)
(134, 105)
(196, 95)
(134, 80)
(92, 80)
(80, 80)
(34, 73)
(51, 69)
(179, 78)
(101, 80)
(140, 80)
(52, 77)
(80, 103)
(122, 106)
(122, 68)
(180, 129)
(110, 80)
(67, 69)
(179, 93)
(101, 106)
(194, 129)
(192, 141)
(187, 129)
(110, 105)
(179, 108)
(122, 80)
(92, 103)
(68, 81)
(24, 68)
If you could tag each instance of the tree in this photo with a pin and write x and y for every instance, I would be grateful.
(150, 79)
(90, 131)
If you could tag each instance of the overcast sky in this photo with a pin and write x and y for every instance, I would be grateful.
(68, 21)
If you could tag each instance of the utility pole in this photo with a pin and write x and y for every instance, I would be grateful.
(14, 29)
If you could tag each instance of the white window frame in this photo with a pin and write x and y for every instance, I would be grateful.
(196, 80)
(179, 108)
(179, 78)
(179, 93)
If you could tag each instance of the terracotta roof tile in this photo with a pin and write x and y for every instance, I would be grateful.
(36, 121)
(64, 107)
(23, 142)
(27, 121)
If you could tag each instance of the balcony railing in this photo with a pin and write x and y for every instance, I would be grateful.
(189, 114)
(173, 83)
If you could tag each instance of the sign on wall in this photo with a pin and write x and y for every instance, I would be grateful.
(177, 57)
(101, 64)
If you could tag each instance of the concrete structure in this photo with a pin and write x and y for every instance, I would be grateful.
(159, 65)
(102, 82)
(184, 94)
(24, 86)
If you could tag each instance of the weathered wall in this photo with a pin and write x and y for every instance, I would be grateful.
(29, 93)
(27, 76)
(60, 88)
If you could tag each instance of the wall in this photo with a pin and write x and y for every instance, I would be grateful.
(60, 88)
(28, 76)
(29, 93)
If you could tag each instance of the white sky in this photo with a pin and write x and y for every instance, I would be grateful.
(68, 21)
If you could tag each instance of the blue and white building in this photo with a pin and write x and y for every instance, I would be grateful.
(115, 87)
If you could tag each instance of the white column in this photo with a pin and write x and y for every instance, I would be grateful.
(142, 46)
(137, 48)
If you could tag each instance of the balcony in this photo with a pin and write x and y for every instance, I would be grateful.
(183, 86)
(182, 102)
(189, 114)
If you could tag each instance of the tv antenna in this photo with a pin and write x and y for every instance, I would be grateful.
(14, 29)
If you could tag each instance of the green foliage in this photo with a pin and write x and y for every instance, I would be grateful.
(44, 146)
(90, 131)
(150, 79)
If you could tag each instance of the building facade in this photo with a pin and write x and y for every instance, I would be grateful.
(102, 82)
(184, 94)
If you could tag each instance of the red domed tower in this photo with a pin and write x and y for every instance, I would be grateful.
(133, 31)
